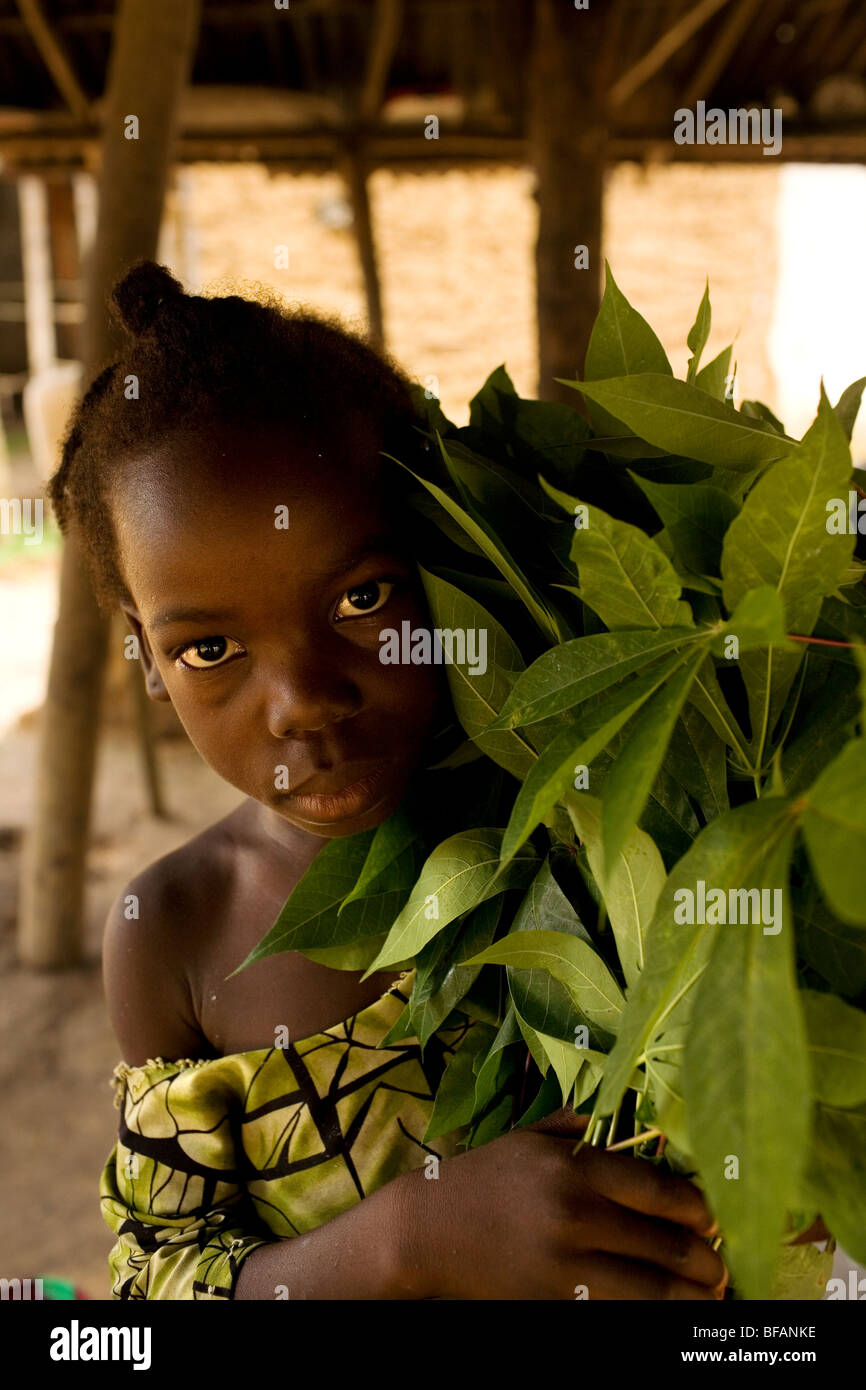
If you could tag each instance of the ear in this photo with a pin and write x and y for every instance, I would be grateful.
(154, 684)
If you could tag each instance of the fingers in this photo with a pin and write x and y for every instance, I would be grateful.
(643, 1187)
(565, 1121)
(608, 1276)
(660, 1243)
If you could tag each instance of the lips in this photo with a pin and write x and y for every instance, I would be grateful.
(349, 796)
(342, 780)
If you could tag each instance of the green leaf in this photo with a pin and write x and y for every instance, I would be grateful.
(462, 872)
(713, 378)
(683, 419)
(780, 538)
(577, 745)
(834, 828)
(488, 1074)
(549, 433)
(442, 977)
(848, 405)
(706, 695)
(836, 1176)
(479, 697)
(542, 1001)
(484, 537)
(486, 403)
(622, 342)
(310, 917)
(696, 758)
(634, 883)
(859, 654)
(695, 517)
(568, 959)
(801, 1273)
(570, 673)
(390, 839)
(822, 731)
(756, 410)
(568, 1061)
(637, 766)
(455, 1097)
(837, 1049)
(727, 854)
(836, 951)
(746, 1079)
(698, 334)
(355, 955)
(757, 621)
(624, 576)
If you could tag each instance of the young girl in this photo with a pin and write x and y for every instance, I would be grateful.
(226, 480)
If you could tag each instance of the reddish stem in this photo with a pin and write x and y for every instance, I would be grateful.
(818, 641)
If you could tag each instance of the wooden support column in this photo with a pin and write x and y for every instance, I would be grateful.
(38, 282)
(567, 143)
(386, 22)
(354, 175)
(150, 62)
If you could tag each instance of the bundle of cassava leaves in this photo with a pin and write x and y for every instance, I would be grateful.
(641, 864)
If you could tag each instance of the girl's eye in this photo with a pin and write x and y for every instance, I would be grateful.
(365, 598)
(210, 651)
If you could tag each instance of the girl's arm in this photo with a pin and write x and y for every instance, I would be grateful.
(354, 1256)
(519, 1218)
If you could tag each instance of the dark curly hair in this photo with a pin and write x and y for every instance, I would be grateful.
(193, 362)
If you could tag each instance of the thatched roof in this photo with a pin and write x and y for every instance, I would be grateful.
(287, 84)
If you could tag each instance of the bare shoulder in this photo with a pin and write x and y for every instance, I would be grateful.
(149, 947)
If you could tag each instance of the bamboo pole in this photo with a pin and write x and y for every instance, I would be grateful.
(150, 62)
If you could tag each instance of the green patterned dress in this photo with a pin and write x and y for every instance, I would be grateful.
(215, 1158)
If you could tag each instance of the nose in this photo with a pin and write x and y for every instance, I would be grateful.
(306, 693)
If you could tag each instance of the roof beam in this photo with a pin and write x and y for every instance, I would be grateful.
(718, 55)
(656, 57)
(55, 58)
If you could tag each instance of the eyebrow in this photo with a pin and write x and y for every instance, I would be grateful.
(380, 544)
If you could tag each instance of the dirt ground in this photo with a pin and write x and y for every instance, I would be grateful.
(56, 1048)
(456, 254)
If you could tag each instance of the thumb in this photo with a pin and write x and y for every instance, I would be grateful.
(564, 1121)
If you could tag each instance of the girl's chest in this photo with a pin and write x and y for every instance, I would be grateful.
(283, 997)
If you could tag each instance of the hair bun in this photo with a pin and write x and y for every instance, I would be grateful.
(136, 298)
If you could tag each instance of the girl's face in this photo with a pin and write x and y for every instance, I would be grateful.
(262, 573)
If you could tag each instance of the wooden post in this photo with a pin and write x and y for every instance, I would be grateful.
(386, 22)
(567, 141)
(150, 61)
(354, 175)
(38, 282)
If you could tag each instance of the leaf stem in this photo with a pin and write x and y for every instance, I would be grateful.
(819, 641)
(637, 1140)
(611, 1133)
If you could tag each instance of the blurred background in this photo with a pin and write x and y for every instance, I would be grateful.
(426, 169)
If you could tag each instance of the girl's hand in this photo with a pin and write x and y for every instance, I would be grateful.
(522, 1218)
